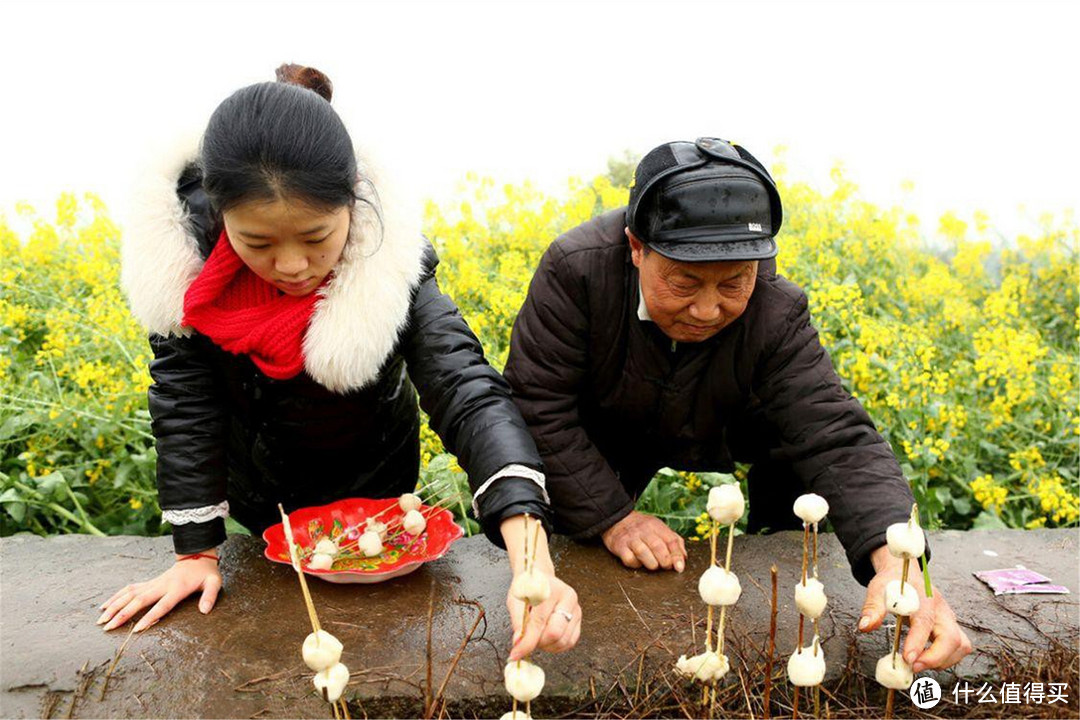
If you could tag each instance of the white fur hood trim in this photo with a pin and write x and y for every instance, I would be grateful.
(363, 308)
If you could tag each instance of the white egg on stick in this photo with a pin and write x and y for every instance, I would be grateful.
(326, 546)
(531, 586)
(515, 715)
(905, 540)
(718, 587)
(707, 667)
(370, 544)
(725, 504)
(810, 598)
(321, 650)
(523, 680)
(330, 683)
(811, 508)
(901, 603)
(806, 666)
(409, 501)
(892, 672)
(414, 522)
(321, 561)
(376, 526)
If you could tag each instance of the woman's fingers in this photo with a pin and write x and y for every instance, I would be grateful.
(554, 625)
(211, 588)
(118, 601)
(160, 609)
(137, 603)
(126, 590)
(538, 618)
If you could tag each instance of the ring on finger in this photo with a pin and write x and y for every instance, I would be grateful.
(565, 613)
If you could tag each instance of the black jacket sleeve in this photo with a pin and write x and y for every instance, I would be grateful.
(829, 440)
(188, 421)
(469, 404)
(546, 368)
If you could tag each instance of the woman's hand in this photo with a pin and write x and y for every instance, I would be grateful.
(555, 624)
(164, 592)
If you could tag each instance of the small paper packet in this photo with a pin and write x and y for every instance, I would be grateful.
(1019, 581)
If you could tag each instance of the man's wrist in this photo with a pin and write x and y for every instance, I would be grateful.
(882, 559)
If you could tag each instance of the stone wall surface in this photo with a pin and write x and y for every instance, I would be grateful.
(243, 659)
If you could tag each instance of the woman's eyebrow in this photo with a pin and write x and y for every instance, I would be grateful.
(256, 236)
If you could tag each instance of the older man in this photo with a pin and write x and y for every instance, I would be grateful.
(660, 335)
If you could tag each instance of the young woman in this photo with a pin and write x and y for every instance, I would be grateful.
(294, 314)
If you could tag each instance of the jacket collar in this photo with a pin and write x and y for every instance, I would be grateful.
(362, 309)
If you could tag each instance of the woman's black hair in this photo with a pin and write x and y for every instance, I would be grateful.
(275, 140)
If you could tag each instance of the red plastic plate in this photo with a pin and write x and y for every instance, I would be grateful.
(344, 520)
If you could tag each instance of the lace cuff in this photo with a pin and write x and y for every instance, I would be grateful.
(511, 471)
(196, 515)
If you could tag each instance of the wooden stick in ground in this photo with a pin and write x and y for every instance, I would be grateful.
(723, 608)
(900, 618)
(430, 622)
(817, 701)
(713, 531)
(333, 706)
(795, 705)
(772, 644)
(889, 703)
(294, 556)
(344, 709)
(805, 549)
(438, 702)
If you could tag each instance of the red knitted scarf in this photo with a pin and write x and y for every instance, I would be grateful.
(245, 315)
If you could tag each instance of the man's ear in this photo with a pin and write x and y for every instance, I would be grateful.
(637, 248)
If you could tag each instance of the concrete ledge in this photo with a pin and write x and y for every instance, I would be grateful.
(242, 660)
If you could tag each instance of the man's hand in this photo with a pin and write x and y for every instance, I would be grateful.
(934, 620)
(639, 539)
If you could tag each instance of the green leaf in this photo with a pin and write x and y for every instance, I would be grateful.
(16, 423)
(962, 505)
(52, 484)
(16, 510)
(122, 474)
(987, 520)
(11, 495)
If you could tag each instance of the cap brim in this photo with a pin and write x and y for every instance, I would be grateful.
(719, 251)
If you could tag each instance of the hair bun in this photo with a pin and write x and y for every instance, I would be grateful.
(307, 77)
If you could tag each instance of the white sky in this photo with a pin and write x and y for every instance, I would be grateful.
(972, 101)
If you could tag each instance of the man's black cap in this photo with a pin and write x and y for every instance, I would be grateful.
(704, 201)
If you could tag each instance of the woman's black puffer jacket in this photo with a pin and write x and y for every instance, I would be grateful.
(227, 432)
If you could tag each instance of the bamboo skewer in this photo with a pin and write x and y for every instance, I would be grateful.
(712, 561)
(889, 700)
(530, 561)
(294, 556)
(723, 608)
